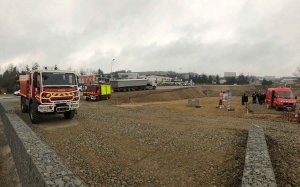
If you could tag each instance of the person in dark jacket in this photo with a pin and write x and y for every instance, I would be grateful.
(254, 97)
(263, 98)
(259, 98)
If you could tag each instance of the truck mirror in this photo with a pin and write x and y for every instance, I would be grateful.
(35, 75)
(34, 83)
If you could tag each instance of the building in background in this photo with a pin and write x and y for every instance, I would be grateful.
(229, 74)
(270, 78)
(86, 79)
(128, 75)
(148, 73)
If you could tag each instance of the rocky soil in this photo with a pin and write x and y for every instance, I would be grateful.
(168, 143)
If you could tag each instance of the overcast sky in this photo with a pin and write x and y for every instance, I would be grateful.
(259, 37)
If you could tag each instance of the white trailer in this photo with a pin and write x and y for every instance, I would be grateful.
(129, 84)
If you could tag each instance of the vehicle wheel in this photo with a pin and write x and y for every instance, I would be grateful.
(70, 114)
(34, 114)
(87, 98)
(98, 98)
(277, 108)
(24, 107)
(106, 97)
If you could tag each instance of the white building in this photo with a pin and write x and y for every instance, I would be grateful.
(128, 75)
(270, 78)
(229, 74)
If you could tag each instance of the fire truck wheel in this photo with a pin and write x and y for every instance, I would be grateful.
(24, 107)
(34, 114)
(70, 114)
(277, 108)
(87, 98)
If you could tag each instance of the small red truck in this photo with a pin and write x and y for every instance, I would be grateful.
(49, 92)
(97, 92)
(280, 97)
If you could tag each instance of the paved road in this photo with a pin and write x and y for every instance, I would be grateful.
(9, 97)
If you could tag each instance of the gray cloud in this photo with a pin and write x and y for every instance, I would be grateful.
(259, 37)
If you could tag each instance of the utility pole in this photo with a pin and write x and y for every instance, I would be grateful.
(111, 68)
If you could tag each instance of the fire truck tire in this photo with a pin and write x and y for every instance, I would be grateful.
(70, 114)
(87, 98)
(24, 107)
(277, 108)
(34, 114)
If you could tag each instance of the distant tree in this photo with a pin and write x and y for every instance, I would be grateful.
(27, 69)
(230, 80)
(10, 79)
(82, 71)
(217, 79)
(129, 71)
(266, 83)
(242, 79)
(204, 78)
(172, 74)
(297, 73)
(23, 69)
(100, 72)
(35, 66)
(210, 79)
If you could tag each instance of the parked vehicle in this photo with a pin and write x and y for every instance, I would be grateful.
(129, 84)
(81, 88)
(280, 98)
(49, 92)
(151, 84)
(17, 93)
(97, 92)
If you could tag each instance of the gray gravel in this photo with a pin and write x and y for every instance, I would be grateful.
(145, 146)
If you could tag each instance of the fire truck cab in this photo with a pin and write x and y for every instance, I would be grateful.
(97, 92)
(49, 92)
(279, 98)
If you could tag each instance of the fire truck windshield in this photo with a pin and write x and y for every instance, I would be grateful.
(90, 88)
(285, 94)
(58, 79)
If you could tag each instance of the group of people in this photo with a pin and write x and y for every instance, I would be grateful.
(261, 97)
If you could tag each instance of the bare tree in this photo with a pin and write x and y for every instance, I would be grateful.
(297, 73)
(35, 66)
(82, 71)
(10, 78)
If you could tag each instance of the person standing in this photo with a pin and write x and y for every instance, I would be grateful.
(254, 97)
(220, 99)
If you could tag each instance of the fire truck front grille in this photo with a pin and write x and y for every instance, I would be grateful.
(61, 98)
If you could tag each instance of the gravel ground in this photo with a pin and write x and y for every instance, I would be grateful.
(108, 145)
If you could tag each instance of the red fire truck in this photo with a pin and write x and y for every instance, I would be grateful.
(97, 92)
(49, 92)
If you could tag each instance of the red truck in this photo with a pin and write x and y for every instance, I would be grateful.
(97, 92)
(280, 98)
(49, 92)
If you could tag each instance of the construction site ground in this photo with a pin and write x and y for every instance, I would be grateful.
(152, 138)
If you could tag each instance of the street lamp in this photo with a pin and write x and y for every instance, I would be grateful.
(111, 68)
